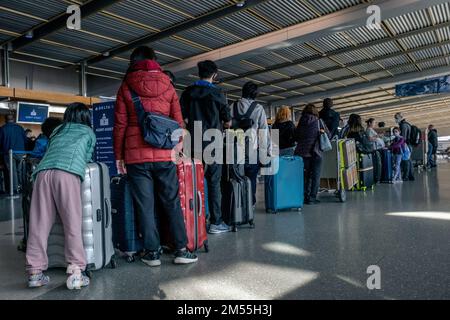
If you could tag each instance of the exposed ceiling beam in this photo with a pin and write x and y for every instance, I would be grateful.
(58, 23)
(185, 25)
(335, 53)
(348, 65)
(425, 110)
(340, 21)
(383, 82)
(392, 105)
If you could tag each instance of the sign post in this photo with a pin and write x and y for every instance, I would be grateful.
(103, 123)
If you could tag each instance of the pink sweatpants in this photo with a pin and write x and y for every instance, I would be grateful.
(55, 192)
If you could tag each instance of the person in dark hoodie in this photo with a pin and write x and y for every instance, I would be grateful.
(40, 147)
(12, 136)
(205, 103)
(432, 146)
(330, 117)
(308, 133)
(151, 171)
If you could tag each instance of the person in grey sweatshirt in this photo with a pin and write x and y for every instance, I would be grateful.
(259, 126)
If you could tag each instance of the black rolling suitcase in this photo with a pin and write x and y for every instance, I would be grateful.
(377, 166)
(237, 202)
(30, 165)
(125, 224)
(366, 172)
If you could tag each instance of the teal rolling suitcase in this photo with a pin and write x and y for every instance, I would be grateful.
(285, 189)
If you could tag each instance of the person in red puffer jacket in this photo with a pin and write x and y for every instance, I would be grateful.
(151, 171)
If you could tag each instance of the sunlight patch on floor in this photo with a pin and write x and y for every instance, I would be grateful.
(285, 248)
(244, 280)
(422, 215)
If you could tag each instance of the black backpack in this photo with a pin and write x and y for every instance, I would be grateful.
(244, 121)
(415, 136)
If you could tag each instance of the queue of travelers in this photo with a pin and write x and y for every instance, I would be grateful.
(66, 147)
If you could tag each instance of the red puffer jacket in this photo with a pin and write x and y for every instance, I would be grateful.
(157, 95)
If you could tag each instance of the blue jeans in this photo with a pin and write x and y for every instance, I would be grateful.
(398, 171)
(430, 161)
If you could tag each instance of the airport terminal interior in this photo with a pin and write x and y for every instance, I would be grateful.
(373, 58)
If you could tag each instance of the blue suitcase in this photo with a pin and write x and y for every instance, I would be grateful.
(285, 189)
(386, 166)
(124, 221)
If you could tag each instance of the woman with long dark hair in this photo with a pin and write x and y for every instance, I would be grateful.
(308, 134)
(357, 132)
(56, 191)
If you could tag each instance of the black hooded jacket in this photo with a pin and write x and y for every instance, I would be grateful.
(331, 119)
(433, 138)
(204, 103)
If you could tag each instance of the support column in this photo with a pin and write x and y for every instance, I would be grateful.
(270, 111)
(5, 67)
(83, 79)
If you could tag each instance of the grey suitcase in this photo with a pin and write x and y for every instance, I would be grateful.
(237, 202)
(97, 223)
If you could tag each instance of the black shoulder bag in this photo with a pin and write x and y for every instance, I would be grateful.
(157, 130)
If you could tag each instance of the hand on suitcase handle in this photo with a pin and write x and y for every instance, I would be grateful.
(121, 168)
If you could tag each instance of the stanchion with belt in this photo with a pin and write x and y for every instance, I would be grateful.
(11, 172)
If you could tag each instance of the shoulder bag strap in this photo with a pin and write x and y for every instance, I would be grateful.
(137, 104)
(251, 109)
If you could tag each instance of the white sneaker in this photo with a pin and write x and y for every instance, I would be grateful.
(76, 279)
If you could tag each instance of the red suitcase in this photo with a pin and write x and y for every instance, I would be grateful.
(192, 196)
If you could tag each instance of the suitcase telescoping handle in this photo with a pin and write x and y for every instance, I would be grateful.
(200, 203)
(108, 212)
(116, 180)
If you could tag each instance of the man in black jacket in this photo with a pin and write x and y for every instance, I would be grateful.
(205, 103)
(432, 145)
(330, 117)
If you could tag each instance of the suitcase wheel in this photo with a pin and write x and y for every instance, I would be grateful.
(252, 224)
(342, 195)
(235, 228)
(22, 246)
(113, 264)
(130, 259)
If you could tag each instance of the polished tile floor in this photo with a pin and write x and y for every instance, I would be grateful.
(322, 253)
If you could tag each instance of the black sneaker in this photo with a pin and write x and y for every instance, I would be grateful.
(151, 258)
(184, 257)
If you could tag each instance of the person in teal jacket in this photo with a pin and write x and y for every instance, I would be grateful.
(57, 191)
